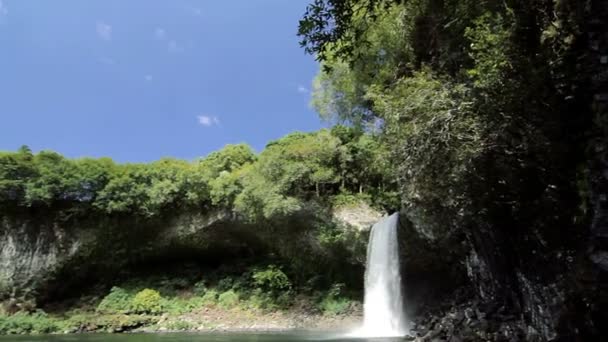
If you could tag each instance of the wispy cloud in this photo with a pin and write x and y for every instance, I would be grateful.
(208, 121)
(104, 31)
(148, 78)
(3, 8)
(303, 90)
(160, 33)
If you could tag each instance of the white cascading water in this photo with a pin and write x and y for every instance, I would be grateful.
(384, 314)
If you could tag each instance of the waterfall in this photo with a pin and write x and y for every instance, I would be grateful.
(383, 303)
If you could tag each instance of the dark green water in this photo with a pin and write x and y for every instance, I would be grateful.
(203, 337)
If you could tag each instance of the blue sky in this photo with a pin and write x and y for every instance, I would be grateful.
(137, 80)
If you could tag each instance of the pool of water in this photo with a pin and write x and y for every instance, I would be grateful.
(202, 337)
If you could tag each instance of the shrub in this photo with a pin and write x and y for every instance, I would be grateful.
(147, 301)
(179, 306)
(284, 299)
(242, 283)
(200, 288)
(175, 306)
(271, 279)
(171, 286)
(194, 303)
(228, 299)
(256, 301)
(225, 284)
(117, 301)
(260, 300)
(24, 323)
(334, 305)
(268, 301)
(336, 290)
(210, 297)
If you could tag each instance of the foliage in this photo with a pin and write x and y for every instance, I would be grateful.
(436, 139)
(304, 167)
(179, 306)
(200, 288)
(117, 301)
(338, 96)
(210, 297)
(147, 301)
(469, 97)
(228, 159)
(327, 29)
(106, 322)
(349, 199)
(125, 308)
(489, 49)
(290, 172)
(260, 301)
(225, 284)
(334, 302)
(228, 299)
(26, 323)
(271, 279)
(335, 305)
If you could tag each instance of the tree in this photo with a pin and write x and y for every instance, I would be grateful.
(297, 169)
(327, 26)
(15, 171)
(55, 181)
(473, 100)
(229, 158)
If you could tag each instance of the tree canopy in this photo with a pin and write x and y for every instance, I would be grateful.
(289, 173)
(470, 96)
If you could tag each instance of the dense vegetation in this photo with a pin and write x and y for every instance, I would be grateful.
(474, 98)
(176, 301)
(489, 112)
(260, 260)
(290, 172)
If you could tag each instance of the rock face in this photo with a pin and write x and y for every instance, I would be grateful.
(43, 252)
(536, 264)
(47, 253)
(535, 291)
(30, 252)
(360, 216)
(597, 61)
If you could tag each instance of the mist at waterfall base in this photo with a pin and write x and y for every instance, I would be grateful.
(384, 314)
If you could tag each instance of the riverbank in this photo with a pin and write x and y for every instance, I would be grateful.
(211, 318)
(258, 300)
(208, 319)
(205, 319)
(216, 319)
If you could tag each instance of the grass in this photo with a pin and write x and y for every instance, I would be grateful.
(29, 323)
